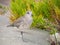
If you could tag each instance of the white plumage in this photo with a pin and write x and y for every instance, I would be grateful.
(24, 21)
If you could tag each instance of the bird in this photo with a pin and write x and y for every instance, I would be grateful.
(24, 21)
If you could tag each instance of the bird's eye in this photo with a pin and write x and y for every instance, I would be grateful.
(27, 12)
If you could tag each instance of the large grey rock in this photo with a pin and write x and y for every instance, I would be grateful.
(4, 20)
(11, 36)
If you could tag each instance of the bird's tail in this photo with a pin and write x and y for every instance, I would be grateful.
(11, 25)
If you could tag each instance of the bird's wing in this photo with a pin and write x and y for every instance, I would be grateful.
(19, 20)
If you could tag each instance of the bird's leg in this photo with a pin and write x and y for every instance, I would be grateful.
(22, 35)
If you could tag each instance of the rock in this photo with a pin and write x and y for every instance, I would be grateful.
(4, 20)
(53, 39)
(11, 36)
(5, 2)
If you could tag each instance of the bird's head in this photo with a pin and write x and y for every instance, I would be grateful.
(29, 13)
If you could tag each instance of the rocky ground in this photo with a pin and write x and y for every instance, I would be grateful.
(5, 2)
(12, 36)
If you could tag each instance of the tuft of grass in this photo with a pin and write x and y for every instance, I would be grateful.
(41, 10)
